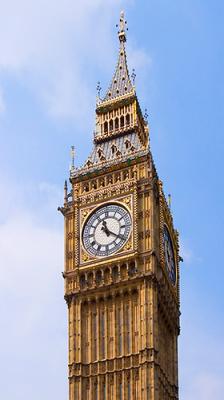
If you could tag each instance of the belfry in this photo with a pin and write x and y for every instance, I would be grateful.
(121, 259)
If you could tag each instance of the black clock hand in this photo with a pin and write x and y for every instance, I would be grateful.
(108, 232)
(114, 234)
(105, 229)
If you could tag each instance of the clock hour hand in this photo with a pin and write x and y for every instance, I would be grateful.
(108, 232)
(105, 229)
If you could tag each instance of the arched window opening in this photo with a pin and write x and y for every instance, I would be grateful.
(113, 149)
(122, 121)
(99, 152)
(111, 125)
(98, 277)
(107, 275)
(90, 279)
(128, 119)
(123, 270)
(115, 273)
(131, 269)
(105, 127)
(116, 123)
(127, 144)
(82, 281)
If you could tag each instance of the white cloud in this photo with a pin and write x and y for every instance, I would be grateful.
(54, 47)
(33, 313)
(46, 44)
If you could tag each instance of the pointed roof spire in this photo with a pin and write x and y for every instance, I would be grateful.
(121, 83)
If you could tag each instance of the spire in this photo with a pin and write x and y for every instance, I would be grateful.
(121, 83)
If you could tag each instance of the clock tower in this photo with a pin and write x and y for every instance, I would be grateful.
(121, 259)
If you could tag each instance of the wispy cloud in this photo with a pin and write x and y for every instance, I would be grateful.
(54, 47)
(31, 290)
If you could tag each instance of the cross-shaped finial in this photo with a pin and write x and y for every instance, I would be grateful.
(133, 76)
(98, 88)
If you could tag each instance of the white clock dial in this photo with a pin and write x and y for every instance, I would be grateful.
(106, 230)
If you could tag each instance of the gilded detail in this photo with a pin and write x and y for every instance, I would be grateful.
(121, 259)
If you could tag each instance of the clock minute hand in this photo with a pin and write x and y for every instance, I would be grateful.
(114, 234)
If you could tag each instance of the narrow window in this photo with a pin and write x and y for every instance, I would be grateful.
(122, 122)
(105, 127)
(119, 333)
(110, 331)
(102, 334)
(127, 316)
(116, 123)
(84, 321)
(111, 125)
(94, 335)
(127, 119)
(135, 324)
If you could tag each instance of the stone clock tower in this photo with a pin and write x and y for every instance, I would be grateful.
(121, 260)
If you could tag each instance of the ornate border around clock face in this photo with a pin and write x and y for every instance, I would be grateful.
(102, 235)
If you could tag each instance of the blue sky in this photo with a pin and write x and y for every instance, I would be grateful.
(51, 56)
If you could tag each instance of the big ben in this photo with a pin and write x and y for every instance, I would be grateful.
(121, 259)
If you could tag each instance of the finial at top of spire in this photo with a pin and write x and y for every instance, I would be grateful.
(122, 28)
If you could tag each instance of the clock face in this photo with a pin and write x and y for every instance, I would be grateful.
(169, 255)
(106, 230)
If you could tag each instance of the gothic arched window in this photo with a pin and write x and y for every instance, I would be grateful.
(105, 127)
(128, 119)
(111, 125)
